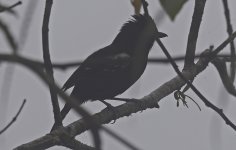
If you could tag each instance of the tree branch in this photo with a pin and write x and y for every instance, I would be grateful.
(14, 118)
(10, 7)
(232, 46)
(47, 62)
(193, 33)
(41, 74)
(208, 57)
(9, 36)
(67, 65)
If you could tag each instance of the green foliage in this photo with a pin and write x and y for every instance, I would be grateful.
(172, 7)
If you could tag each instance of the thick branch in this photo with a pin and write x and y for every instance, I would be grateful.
(193, 33)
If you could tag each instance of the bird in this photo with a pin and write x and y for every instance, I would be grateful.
(112, 70)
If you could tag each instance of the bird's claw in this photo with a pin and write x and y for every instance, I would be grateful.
(112, 108)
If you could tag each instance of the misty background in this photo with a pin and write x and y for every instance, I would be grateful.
(78, 28)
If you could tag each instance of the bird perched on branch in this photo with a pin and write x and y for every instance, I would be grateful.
(111, 70)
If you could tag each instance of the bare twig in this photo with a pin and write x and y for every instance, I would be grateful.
(232, 46)
(47, 62)
(49, 70)
(222, 46)
(210, 55)
(10, 7)
(10, 69)
(27, 19)
(67, 65)
(41, 74)
(193, 33)
(14, 118)
(9, 37)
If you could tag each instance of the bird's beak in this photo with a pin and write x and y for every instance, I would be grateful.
(161, 35)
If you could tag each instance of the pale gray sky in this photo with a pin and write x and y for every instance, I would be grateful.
(78, 28)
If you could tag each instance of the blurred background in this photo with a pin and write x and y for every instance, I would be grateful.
(78, 28)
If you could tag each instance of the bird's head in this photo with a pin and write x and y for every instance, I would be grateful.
(139, 32)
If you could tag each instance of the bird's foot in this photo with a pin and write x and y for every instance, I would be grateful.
(111, 108)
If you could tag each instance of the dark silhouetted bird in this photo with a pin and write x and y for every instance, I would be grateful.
(111, 70)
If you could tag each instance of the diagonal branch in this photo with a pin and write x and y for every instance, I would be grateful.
(14, 118)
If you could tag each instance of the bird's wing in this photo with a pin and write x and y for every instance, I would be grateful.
(99, 65)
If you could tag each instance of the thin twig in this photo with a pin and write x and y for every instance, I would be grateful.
(26, 25)
(10, 69)
(10, 7)
(202, 97)
(41, 74)
(67, 65)
(9, 36)
(47, 62)
(222, 46)
(14, 118)
(232, 46)
(49, 70)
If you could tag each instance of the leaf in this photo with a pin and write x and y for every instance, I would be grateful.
(137, 6)
(172, 7)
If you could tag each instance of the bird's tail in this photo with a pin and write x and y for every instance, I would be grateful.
(65, 110)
